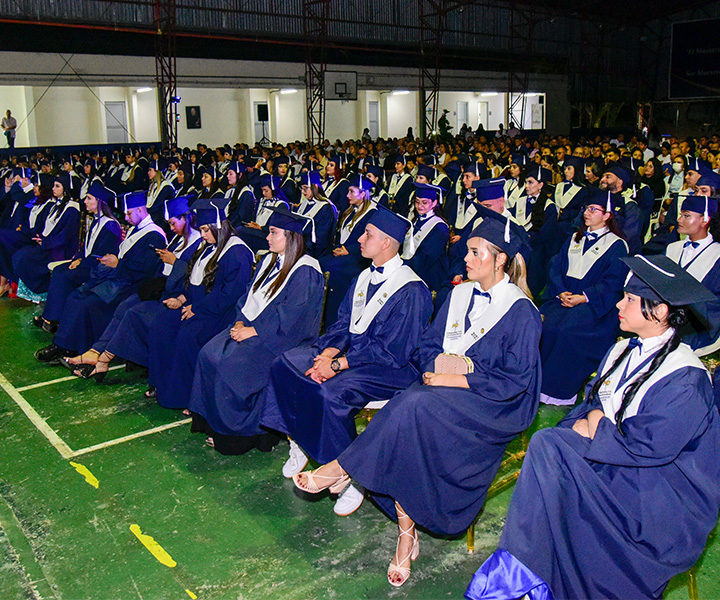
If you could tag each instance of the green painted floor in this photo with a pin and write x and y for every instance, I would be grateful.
(234, 527)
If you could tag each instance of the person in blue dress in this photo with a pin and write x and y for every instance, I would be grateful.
(254, 233)
(127, 333)
(426, 244)
(103, 236)
(621, 496)
(89, 309)
(336, 184)
(347, 259)
(699, 255)
(430, 455)
(280, 310)
(400, 187)
(579, 314)
(57, 241)
(323, 213)
(315, 391)
(218, 274)
(239, 195)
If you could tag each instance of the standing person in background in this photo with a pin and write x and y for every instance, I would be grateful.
(9, 125)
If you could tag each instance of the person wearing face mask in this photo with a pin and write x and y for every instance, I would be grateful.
(677, 176)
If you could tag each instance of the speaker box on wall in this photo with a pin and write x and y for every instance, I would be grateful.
(262, 113)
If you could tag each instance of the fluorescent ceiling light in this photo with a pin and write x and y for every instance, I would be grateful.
(288, 91)
(486, 94)
(400, 92)
(144, 89)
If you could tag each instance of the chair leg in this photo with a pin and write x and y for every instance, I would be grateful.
(692, 585)
(471, 539)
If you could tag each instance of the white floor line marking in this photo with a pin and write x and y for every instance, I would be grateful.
(57, 442)
(59, 380)
(130, 437)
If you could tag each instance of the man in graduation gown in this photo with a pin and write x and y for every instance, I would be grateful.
(617, 180)
(90, 308)
(316, 391)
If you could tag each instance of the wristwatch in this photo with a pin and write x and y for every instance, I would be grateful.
(335, 365)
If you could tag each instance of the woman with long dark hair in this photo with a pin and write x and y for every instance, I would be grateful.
(316, 206)
(239, 195)
(279, 311)
(621, 496)
(579, 314)
(159, 192)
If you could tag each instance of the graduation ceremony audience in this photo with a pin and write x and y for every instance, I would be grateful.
(456, 283)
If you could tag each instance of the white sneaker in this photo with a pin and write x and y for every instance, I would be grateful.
(296, 462)
(349, 500)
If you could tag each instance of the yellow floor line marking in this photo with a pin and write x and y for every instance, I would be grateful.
(59, 380)
(85, 472)
(155, 549)
(130, 437)
(57, 442)
(189, 593)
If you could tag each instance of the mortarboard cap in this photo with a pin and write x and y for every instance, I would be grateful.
(309, 178)
(283, 218)
(209, 213)
(704, 205)
(620, 172)
(375, 170)
(426, 171)
(539, 173)
(489, 189)
(503, 233)
(134, 200)
(426, 190)
(390, 223)
(176, 207)
(361, 182)
(99, 191)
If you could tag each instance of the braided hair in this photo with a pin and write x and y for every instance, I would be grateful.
(677, 317)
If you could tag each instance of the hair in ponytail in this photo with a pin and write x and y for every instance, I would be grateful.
(677, 317)
(515, 268)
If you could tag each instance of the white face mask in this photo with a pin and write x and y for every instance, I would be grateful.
(677, 167)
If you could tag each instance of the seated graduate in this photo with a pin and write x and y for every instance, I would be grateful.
(218, 274)
(209, 183)
(579, 315)
(281, 164)
(57, 241)
(622, 494)
(183, 183)
(314, 205)
(619, 181)
(426, 243)
(699, 255)
(400, 187)
(430, 455)
(462, 211)
(347, 259)
(254, 233)
(376, 174)
(30, 205)
(89, 309)
(336, 184)
(528, 206)
(159, 192)
(315, 391)
(239, 195)
(280, 310)
(127, 333)
(103, 236)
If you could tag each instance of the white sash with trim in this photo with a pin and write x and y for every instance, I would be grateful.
(362, 313)
(155, 190)
(264, 212)
(198, 272)
(561, 199)
(194, 235)
(35, 213)
(412, 242)
(702, 264)
(256, 302)
(92, 236)
(396, 183)
(54, 219)
(503, 296)
(578, 263)
(136, 235)
(350, 223)
(468, 212)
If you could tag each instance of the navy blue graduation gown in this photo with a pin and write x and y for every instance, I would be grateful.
(244, 212)
(18, 203)
(338, 195)
(89, 309)
(31, 262)
(436, 450)
(320, 417)
(343, 269)
(325, 225)
(400, 203)
(14, 238)
(175, 344)
(616, 516)
(667, 232)
(574, 340)
(430, 260)
(65, 280)
(230, 376)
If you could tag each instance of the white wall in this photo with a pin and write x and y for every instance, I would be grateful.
(13, 97)
(220, 111)
(400, 112)
(287, 115)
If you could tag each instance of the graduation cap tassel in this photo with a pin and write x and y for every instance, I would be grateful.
(167, 215)
(706, 215)
(507, 231)
(634, 191)
(218, 224)
(608, 207)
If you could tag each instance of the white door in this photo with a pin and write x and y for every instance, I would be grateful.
(262, 128)
(537, 117)
(483, 114)
(374, 119)
(116, 123)
(462, 116)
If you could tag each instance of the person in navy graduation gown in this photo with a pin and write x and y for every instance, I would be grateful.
(430, 455)
(618, 180)
(103, 236)
(218, 275)
(280, 310)
(347, 259)
(57, 241)
(336, 184)
(323, 213)
(425, 246)
(159, 192)
(621, 496)
(89, 309)
(579, 314)
(239, 195)
(127, 333)
(315, 391)
(699, 255)
(254, 233)
(400, 187)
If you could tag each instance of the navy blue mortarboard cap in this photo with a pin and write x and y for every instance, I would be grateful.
(209, 169)
(620, 172)
(477, 168)
(539, 173)
(400, 158)
(632, 164)
(64, 180)
(238, 167)
(704, 205)
(44, 179)
(390, 223)
(426, 171)
(503, 233)
(360, 181)
(134, 200)
(281, 160)
(575, 161)
(692, 163)
(209, 213)
(709, 177)
(429, 159)
(426, 190)
(282, 218)
(489, 189)
(99, 191)
(519, 159)
(22, 172)
(309, 178)
(607, 200)
(375, 170)
(661, 279)
(159, 164)
(177, 207)
(453, 169)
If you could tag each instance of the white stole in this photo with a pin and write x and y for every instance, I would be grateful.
(194, 235)
(396, 182)
(412, 242)
(264, 212)
(348, 225)
(257, 301)
(578, 263)
(136, 234)
(504, 295)
(562, 199)
(468, 212)
(155, 190)
(198, 271)
(703, 262)
(54, 219)
(92, 236)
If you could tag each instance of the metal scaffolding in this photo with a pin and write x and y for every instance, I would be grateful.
(315, 27)
(165, 14)
(522, 24)
(432, 24)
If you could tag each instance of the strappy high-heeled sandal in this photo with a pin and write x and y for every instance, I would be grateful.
(336, 485)
(395, 567)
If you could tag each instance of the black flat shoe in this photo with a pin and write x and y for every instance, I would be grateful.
(38, 321)
(50, 355)
(151, 392)
(49, 326)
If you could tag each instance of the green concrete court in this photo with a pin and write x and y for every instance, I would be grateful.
(234, 527)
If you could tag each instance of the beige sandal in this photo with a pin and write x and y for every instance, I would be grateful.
(395, 567)
(337, 484)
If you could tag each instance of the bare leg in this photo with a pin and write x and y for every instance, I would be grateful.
(407, 549)
(86, 358)
(103, 362)
(330, 476)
